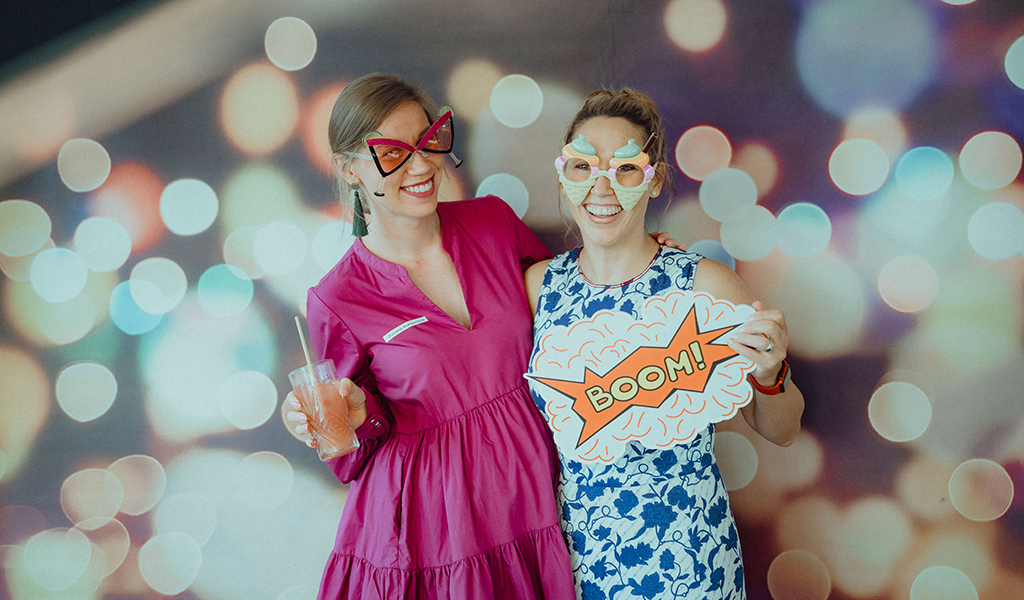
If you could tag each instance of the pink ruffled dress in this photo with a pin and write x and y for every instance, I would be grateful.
(452, 491)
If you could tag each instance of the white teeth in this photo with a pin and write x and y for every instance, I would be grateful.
(422, 188)
(603, 211)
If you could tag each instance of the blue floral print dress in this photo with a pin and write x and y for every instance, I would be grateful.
(653, 523)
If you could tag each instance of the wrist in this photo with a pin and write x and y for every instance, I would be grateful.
(778, 386)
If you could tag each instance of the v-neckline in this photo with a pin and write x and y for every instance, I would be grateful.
(448, 244)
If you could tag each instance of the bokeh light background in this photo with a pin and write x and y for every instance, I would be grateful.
(166, 200)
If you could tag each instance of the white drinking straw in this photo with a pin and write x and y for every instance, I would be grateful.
(305, 349)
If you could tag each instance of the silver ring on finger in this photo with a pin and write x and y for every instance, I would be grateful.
(771, 344)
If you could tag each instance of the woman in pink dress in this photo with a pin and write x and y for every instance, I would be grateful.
(452, 488)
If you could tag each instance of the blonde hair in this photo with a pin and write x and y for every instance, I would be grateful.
(361, 107)
(635, 107)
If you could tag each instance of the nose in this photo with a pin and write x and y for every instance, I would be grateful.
(603, 185)
(419, 161)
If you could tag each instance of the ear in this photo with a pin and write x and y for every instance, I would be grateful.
(343, 166)
(657, 181)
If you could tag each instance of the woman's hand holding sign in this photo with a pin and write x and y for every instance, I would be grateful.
(777, 405)
(764, 339)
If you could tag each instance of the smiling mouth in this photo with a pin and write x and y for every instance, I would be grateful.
(603, 211)
(420, 188)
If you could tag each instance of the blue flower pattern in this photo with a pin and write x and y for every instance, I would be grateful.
(654, 523)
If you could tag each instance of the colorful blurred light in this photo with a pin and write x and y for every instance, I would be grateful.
(330, 243)
(86, 390)
(714, 250)
(509, 188)
(58, 274)
(24, 227)
(83, 164)
(188, 206)
(248, 399)
(976, 309)
(880, 125)
(468, 87)
(908, 283)
(104, 244)
(516, 101)
(184, 363)
(143, 481)
(188, 513)
(157, 285)
(225, 290)
(702, 150)
(279, 248)
(169, 562)
(67, 322)
(899, 411)
(981, 490)
(238, 562)
(696, 25)
(803, 230)
(1014, 62)
(17, 268)
(750, 237)
(872, 53)
(290, 43)
(995, 230)
(943, 583)
(990, 160)
(39, 125)
(316, 118)
(259, 109)
(112, 540)
(736, 459)
(526, 152)
(91, 494)
(56, 558)
(825, 306)
(873, 534)
(809, 523)
(129, 316)
(924, 173)
(922, 484)
(258, 194)
(758, 161)
(798, 575)
(131, 196)
(238, 251)
(25, 404)
(687, 221)
(728, 194)
(858, 167)
(264, 480)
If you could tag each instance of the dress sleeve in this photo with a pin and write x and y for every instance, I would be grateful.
(530, 248)
(331, 338)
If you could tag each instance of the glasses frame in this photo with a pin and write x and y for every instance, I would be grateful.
(375, 138)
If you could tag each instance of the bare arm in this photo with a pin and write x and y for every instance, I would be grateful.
(774, 417)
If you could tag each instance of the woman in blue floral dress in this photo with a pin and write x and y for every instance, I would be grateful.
(647, 522)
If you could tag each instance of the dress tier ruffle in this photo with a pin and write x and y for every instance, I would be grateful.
(465, 492)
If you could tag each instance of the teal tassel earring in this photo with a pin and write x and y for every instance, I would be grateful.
(358, 219)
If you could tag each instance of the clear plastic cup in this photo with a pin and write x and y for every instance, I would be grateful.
(316, 387)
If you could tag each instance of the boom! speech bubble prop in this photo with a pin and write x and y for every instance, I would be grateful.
(611, 379)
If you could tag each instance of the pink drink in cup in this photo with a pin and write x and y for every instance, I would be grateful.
(316, 387)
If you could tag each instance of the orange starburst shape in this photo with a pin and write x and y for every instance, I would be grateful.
(647, 376)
